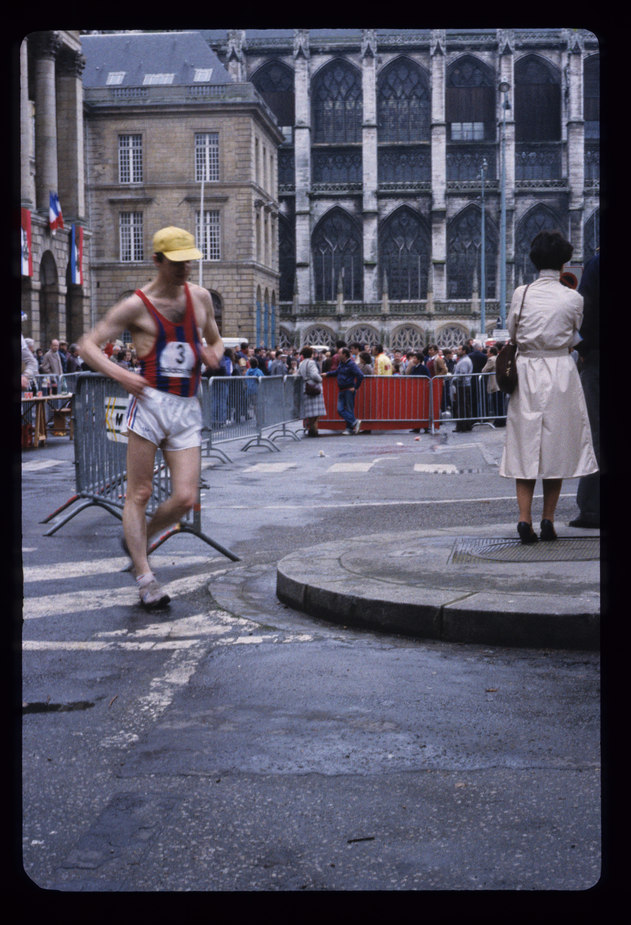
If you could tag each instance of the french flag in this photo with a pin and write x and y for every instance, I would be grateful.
(76, 255)
(55, 218)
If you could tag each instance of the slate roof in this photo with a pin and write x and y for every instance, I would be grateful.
(136, 55)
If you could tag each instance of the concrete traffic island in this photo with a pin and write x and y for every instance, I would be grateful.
(481, 586)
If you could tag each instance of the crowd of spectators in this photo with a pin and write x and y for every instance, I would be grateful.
(59, 358)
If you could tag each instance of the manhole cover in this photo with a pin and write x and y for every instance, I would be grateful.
(565, 549)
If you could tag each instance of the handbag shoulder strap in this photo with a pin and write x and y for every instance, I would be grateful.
(520, 311)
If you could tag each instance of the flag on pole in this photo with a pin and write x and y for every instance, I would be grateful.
(76, 255)
(27, 252)
(55, 218)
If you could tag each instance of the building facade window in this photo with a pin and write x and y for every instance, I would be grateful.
(286, 258)
(403, 102)
(208, 234)
(464, 236)
(337, 257)
(405, 252)
(130, 159)
(537, 100)
(470, 101)
(336, 102)
(131, 236)
(591, 97)
(207, 156)
(275, 82)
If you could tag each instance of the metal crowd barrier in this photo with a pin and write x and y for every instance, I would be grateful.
(100, 405)
(466, 400)
(242, 407)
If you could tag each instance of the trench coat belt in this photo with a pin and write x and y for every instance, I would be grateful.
(560, 352)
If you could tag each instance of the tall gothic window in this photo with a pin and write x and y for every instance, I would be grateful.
(537, 100)
(539, 218)
(275, 83)
(404, 247)
(591, 236)
(403, 102)
(286, 258)
(336, 247)
(591, 97)
(336, 103)
(470, 100)
(464, 236)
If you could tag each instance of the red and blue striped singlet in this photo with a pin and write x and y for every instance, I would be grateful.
(174, 363)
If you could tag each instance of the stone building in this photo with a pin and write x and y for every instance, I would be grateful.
(55, 289)
(398, 147)
(173, 139)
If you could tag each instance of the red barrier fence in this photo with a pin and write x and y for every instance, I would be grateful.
(387, 403)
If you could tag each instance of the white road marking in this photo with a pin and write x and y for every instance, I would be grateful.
(34, 465)
(436, 467)
(272, 467)
(351, 467)
(62, 571)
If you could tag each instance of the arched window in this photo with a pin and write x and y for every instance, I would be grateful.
(336, 103)
(286, 258)
(591, 97)
(275, 83)
(591, 236)
(539, 218)
(404, 246)
(470, 100)
(403, 102)
(537, 100)
(464, 235)
(337, 256)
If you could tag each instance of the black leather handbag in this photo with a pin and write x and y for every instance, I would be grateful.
(506, 363)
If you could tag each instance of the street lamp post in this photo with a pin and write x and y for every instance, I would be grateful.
(483, 257)
(504, 87)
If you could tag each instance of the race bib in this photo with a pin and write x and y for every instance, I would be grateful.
(177, 359)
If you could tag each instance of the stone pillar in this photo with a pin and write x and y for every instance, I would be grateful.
(70, 65)
(573, 93)
(369, 164)
(46, 180)
(439, 166)
(235, 58)
(302, 154)
(506, 72)
(27, 150)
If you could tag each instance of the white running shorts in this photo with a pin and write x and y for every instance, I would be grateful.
(171, 422)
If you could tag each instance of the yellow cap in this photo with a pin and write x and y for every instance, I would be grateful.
(176, 244)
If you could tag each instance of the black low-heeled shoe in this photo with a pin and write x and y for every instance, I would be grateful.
(526, 533)
(547, 530)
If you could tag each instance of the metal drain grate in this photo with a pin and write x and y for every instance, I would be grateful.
(565, 549)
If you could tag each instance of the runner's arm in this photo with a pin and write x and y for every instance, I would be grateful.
(108, 329)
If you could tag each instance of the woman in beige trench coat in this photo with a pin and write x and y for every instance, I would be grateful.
(547, 428)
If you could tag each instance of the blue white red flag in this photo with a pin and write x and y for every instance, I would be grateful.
(55, 218)
(27, 251)
(76, 255)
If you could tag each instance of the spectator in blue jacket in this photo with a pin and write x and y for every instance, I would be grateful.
(349, 379)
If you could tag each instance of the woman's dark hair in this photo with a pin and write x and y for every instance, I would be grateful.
(550, 250)
(253, 363)
(306, 352)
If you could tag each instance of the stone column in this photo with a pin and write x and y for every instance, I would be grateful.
(302, 154)
(46, 180)
(70, 65)
(439, 166)
(573, 74)
(369, 164)
(506, 72)
(27, 150)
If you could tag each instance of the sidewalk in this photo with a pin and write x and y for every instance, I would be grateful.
(480, 586)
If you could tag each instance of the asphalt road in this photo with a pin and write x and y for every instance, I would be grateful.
(234, 744)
